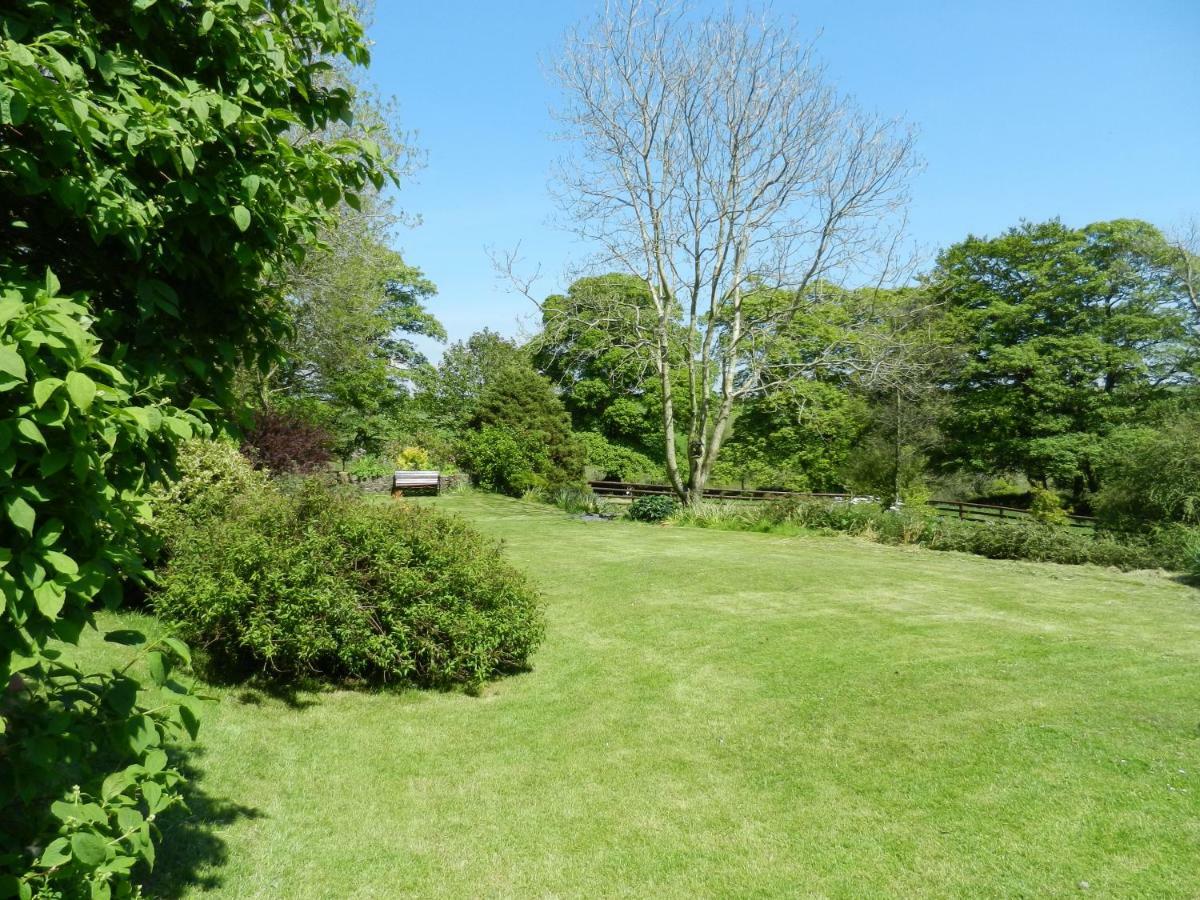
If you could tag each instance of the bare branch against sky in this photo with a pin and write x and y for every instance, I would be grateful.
(712, 159)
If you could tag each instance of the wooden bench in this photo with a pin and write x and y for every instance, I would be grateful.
(416, 480)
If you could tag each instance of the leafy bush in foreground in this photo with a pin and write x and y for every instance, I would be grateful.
(652, 509)
(82, 769)
(144, 162)
(324, 583)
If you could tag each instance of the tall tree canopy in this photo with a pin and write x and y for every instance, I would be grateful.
(604, 381)
(451, 393)
(1066, 333)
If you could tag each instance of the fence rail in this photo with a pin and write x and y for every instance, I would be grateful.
(975, 512)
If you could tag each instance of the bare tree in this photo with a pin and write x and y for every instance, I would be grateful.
(714, 161)
(1185, 247)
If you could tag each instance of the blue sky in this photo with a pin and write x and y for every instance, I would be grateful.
(1081, 110)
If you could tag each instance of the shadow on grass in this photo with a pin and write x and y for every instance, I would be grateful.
(248, 684)
(192, 850)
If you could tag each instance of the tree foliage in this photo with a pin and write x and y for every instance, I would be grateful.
(1066, 333)
(522, 403)
(450, 394)
(142, 140)
(1151, 474)
(151, 198)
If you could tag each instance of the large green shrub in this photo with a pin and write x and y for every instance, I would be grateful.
(325, 583)
(523, 404)
(210, 476)
(1151, 475)
(497, 461)
(610, 461)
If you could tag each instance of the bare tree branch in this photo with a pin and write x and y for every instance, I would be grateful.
(713, 161)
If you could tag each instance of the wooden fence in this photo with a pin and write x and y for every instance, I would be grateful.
(974, 512)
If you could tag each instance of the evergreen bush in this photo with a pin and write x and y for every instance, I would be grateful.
(324, 583)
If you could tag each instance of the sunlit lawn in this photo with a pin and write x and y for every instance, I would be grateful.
(725, 714)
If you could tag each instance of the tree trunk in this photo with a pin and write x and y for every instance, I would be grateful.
(897, 450)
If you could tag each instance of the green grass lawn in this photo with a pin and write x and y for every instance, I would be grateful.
(730, 714)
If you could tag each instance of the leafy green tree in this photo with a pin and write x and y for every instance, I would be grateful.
(450, 394)
(145, 139)
(522, 403)
(1066, 333)
(582, 348)
(355, 306)
(802, 440)
(1151, 474)
(151, 200)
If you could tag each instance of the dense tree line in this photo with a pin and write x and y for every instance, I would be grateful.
(1028, 362)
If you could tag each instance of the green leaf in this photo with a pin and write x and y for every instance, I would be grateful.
(54, 462)
(179, 427)
(11, 362)
(57, 853)
(148, 417)
(49, 598)
(64, 810)
(81, 389)
(128, 818)
(156, 761)
(10, 308)
(44, 389)
(152, 791)
(142, 734)
(159, 667)
(61, 562)
(179, 648)
(188, 157)
(251, 183)
(49, 533)
(21, 514)
(207, 21)
(114, 784)
(230, 113)
(89, 849)
(241, 218)
(29, 430)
